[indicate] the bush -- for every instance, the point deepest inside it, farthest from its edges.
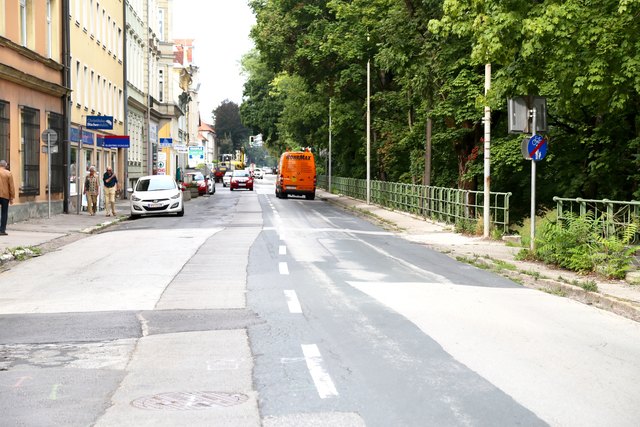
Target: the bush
(577, 244)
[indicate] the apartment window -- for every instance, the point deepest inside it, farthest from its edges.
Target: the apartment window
(2, 21)
(120, 105)
(85, 16)
(78, 83)
(108, 35)
(86, 87)
(161, 24)
(119, 43)
(98, 95)
(160, 85)
(56, 122)
(77, 11)
(110, 102)
(4, 131)
(30, 152)
(98, 21)
(49, 30)
(23, 22)
(93, 90)
(91, 18)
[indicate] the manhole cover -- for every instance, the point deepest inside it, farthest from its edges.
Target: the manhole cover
(184, 401)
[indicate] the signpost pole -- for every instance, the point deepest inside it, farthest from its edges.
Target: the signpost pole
(533, 189)
(78, 191)
(49, 172)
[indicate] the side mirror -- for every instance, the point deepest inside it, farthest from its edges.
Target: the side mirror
(129, 190)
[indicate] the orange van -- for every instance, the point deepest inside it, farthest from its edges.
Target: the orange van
(296, 175)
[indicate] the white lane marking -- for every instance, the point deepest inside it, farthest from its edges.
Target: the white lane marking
(321, 378)
(283, 268)
(282, 250)
(293, 302)
(144, 324)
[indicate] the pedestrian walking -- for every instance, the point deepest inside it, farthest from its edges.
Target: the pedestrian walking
(7, 193)
(110, 181)
(91, 190)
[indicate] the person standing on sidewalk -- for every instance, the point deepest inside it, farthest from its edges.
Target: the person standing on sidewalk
(7, 193)
(91, 190)
(110, 182)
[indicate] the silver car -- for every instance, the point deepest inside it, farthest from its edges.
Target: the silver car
(156, 194)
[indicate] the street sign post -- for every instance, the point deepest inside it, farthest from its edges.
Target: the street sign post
(49, 136)
(537, 147)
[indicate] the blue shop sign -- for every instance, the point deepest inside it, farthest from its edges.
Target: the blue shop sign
(87, 137)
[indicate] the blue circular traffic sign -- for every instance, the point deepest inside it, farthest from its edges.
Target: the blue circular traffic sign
(537, 147)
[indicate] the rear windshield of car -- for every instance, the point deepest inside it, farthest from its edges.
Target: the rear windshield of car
(240, 173)
(155, 184)
(197, 176)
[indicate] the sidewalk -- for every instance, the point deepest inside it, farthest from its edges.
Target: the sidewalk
(617, 296)
(35, 232)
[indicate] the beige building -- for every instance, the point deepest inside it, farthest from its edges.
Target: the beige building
(97, 84)
(32, 97)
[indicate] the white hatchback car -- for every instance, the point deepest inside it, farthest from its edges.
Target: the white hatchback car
(156, 194)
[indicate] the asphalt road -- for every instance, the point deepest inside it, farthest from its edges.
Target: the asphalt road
(252, 310)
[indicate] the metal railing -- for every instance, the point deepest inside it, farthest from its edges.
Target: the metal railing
(614, 216)
(448, 205)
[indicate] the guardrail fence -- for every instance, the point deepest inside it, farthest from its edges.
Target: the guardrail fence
(448, 205)
(614, 215)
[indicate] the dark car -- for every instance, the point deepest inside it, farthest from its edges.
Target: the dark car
(241, 178)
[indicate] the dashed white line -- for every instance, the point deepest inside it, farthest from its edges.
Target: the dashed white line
(283, 268)
(282, 250)
(293, 302)
(321, 378)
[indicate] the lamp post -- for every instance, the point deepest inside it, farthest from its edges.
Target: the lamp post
(329, 146)
(487, 150)
(368, 129)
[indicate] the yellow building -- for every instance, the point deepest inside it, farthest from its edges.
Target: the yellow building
(32, 100)
(98, 86)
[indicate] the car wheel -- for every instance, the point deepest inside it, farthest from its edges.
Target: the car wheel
(310, 196)
(230, 188)
(133, 216)
(181, 213)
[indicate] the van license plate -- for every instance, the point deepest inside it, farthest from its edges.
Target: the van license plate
(291, 187)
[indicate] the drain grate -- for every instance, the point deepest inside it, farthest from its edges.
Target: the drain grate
(184, 401)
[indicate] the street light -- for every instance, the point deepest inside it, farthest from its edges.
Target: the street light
(368, 129)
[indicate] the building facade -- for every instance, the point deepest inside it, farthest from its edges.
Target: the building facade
(32, 99)
(98, 87)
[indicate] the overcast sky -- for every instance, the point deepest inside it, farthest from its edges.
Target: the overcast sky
(221, 32)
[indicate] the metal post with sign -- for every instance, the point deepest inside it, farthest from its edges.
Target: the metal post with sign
(520, 111)
(51, 137)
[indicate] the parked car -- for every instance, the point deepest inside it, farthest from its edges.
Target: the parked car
(226, 179)
(199, 178)
(241, 178)
(156, 194)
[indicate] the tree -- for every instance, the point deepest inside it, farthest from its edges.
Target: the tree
(228, 125)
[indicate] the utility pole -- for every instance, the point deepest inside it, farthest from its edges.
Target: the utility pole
(487, 157)
(368, 130)
(329, 146)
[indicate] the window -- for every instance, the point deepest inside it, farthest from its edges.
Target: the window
(91, 19)
(98, 21)
(30, 152)
(93, 90)
(78, 83)
(161, 24)
(160, 85)
(2, 19)
(49, 30)
(56, 122)
(86, 87)
(23, 22)
(4, 131)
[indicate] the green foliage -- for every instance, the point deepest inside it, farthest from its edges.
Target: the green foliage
(427, 61)
(577, 244)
